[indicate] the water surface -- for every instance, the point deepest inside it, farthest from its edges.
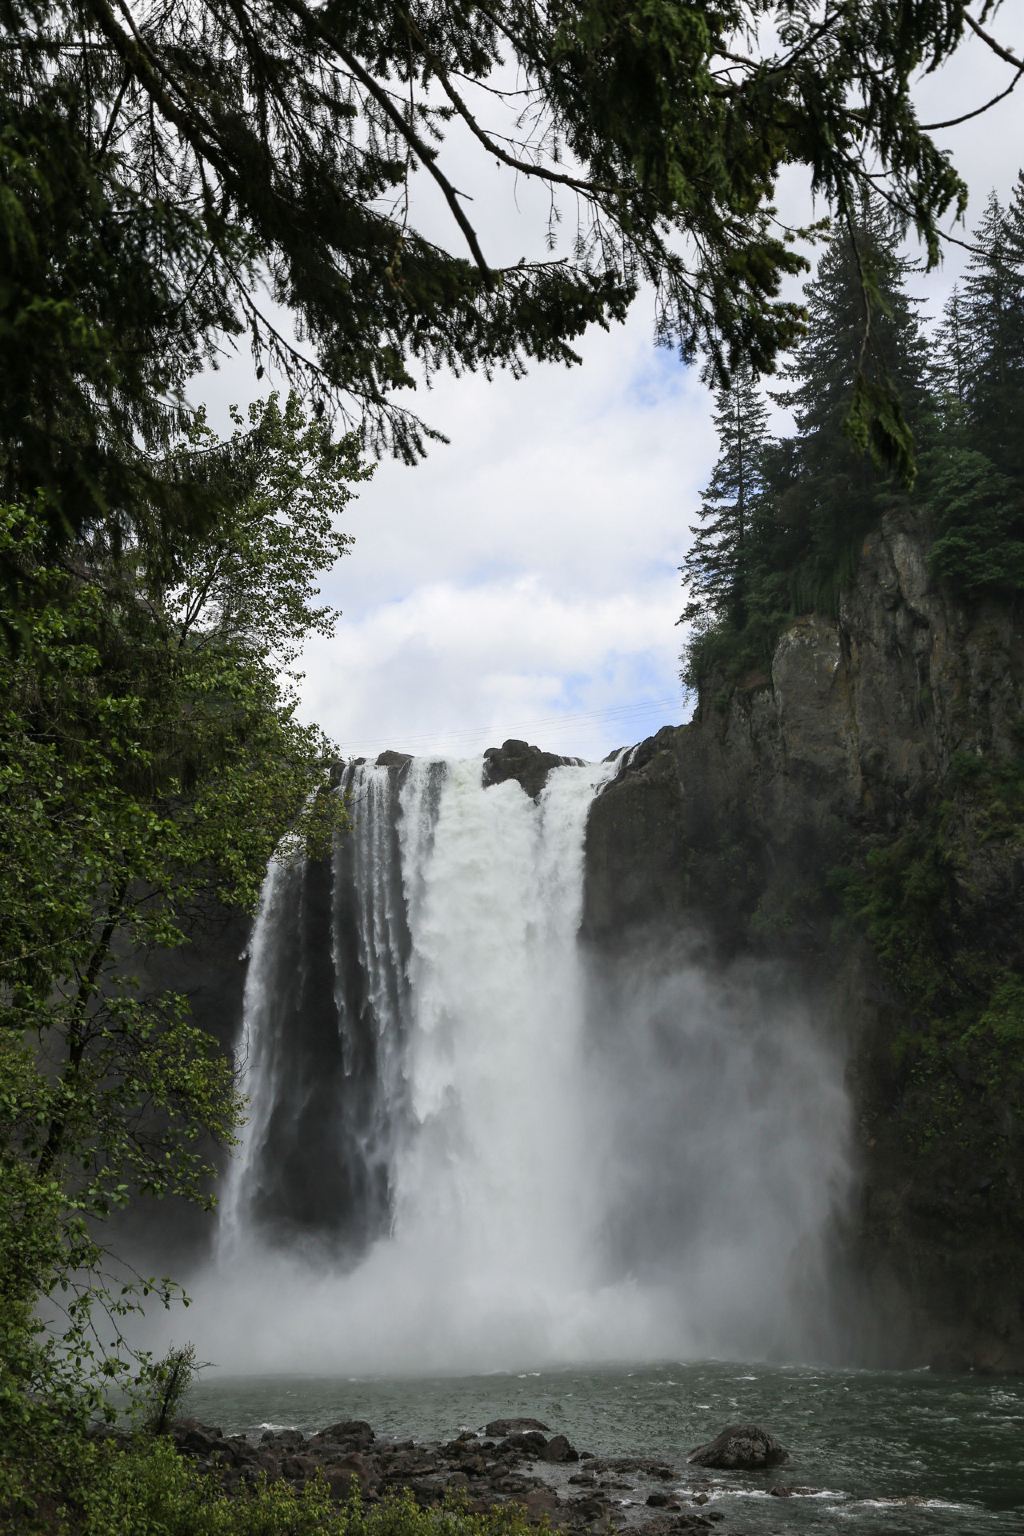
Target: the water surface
(884, 1452)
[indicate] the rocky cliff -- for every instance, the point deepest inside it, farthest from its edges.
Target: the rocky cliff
(856, 811)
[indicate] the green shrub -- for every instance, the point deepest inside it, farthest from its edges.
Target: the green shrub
(165, 1387)
(147, 1488)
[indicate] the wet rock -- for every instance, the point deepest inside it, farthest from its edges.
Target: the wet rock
(354, 1465)
(643, 1466)
(558, 1449)
(675, 1525)
(660, 1500)
(540, 1502)
(528, 765)
(591, 1511)
(339, 1480)
(353, 1433)
(500, 1428)
(461, 1447)
(233, 1452)
(298, 1468)
(196, 1439)
(514, 1487)
(520, 1469)
(530, 1443)
(742, 1447)
(284, 1438)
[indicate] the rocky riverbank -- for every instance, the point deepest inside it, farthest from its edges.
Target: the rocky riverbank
(508, 1461)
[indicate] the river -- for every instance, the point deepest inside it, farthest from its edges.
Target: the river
(894, 1452)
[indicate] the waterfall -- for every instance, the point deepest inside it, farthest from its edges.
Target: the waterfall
(468, 1148)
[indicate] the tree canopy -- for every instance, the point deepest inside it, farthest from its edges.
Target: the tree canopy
(150, 761)
(958, 389)
(177, 177)
(716, 571)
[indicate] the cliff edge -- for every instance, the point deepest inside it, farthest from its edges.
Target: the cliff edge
(858, 811)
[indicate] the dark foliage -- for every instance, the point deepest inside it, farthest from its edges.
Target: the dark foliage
(959, 395)
(177, 178)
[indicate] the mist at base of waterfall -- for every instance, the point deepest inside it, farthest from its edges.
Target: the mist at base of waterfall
(583, 1161)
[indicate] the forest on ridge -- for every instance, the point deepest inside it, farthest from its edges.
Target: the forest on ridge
(782, 520)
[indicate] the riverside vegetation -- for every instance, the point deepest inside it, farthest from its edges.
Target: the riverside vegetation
(160, 167)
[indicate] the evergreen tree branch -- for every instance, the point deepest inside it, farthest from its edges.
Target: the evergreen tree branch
(954, 122)
(996, 47)
(426, 156)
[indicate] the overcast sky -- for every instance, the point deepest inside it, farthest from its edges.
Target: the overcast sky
(523, 581)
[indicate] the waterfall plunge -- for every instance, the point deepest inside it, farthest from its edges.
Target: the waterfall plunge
(463, 1153)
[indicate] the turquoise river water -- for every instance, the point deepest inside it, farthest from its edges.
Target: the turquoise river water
(884, 1452)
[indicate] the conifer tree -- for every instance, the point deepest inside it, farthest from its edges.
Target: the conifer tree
(973, 475)
(838, 488)
(166, 167)
(718, 566)
(994, 315)
(987, 290)
(949, 362)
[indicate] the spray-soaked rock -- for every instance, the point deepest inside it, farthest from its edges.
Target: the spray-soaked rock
(529, 1468)
(353, 1434)
(530, 1443)
(743, 1447)
(559, 1449)
(499, 1428)
(542, 1501)
(528, 765)
(282, 1438)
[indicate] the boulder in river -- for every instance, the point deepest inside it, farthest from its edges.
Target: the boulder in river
(743, 1447)
(529, 1443)
(353, 1434)
(499, 1428)
(558, 1448)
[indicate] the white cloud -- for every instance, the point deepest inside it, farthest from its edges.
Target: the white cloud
(527, 572)
(450, 669)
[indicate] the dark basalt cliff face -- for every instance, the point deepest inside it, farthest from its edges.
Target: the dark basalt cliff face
(857, 813)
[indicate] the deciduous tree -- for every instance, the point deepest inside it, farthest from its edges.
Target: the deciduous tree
(150, 757)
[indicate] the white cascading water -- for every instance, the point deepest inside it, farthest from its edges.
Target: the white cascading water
(539, 1175)
(491, 1190)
